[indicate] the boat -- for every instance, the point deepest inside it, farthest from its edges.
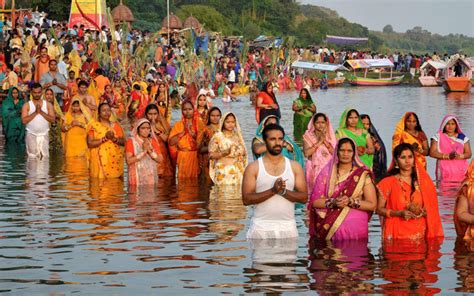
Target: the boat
(432, 73)
(458, 74)
(323, 67)
(378, 65)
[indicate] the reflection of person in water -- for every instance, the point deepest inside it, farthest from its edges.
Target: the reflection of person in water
(463, 263)
(341, 266)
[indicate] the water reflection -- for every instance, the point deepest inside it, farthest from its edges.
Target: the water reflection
(411, 266)
(464, 265)
(341, 266)
(275, 266)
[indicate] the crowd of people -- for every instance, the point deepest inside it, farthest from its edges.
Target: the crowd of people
(80, 107)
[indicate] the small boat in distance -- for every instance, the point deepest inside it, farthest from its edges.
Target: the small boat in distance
(378, 65)
(458, 74)
(322, 67)
(432, 73)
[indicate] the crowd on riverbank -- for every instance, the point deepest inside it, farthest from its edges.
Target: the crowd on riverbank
(85, 85)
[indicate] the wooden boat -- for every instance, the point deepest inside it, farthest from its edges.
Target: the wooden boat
(458, 74)
(376, 64)
(432, 73)
(338, 81)
(363, 81)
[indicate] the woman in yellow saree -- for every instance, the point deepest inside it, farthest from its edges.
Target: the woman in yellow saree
(408, 130)
(183, 142)
(228, 156)
(74, 129)
(464, 209)
(105, 140)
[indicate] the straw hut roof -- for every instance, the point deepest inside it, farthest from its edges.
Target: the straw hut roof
(121, 13)
(175, 22)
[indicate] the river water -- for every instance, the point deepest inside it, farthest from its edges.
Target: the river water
(61, 233)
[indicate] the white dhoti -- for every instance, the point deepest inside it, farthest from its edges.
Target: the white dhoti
(37, 146)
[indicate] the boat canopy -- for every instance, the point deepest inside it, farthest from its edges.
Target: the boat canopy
(438, 65)
(457, 58)
(318, 66)
(370, 63)
(341, 40)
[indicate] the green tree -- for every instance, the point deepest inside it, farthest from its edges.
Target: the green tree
(387, 29)
(207, 16)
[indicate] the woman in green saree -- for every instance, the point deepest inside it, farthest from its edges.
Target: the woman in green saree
(13, 128)
(351, 126)
(304, 109)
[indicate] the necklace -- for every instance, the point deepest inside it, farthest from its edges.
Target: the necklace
(338, 175)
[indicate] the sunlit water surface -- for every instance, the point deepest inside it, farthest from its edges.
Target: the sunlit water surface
(61, 233)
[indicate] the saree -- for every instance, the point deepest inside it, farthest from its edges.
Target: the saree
(321, 156)
(55, 130)
(399, 196)
(13, 128)
(75, 138)
(203, 141)
(302, 118)
(185, 152)
(401, 136)
(359, 140)
(464, 230)
(107, 160)
(336, 223)
(379, 167)
(165, 167)
(228, 174)
(296, 155)
(452, 170)
(267, 99)
(144, 171)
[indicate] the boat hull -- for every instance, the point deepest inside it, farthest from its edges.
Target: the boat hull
(361, 81)
(457, 84)
(428, 81)
(336, 81)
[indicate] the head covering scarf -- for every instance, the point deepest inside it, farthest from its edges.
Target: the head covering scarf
(296, 155)
(263, 113)
(143, 172)
(326, 187)
(402, 136)
(11, 118)
(322, 156)
(451, 169)
(380, 157)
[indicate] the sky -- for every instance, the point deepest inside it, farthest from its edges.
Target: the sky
(437, 16)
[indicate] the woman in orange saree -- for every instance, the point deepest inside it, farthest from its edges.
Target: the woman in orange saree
(183, 142)
(213, 118)
(464, 209)
(408, 203)
(161, 130)
(408, 130)
(74, 129)
(105, 140)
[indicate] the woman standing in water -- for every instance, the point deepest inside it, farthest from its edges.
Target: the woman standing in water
(183, 142)
(13, 128)
(451, 147)
(161, 129)
(105, 140)
(227, 153)
(212, 127)
(408, 204)
(343, 197)
(304, 109)
(142, 155)
(318, 147)
(266, 103)
(74, 129)
(464, 209)
(351, 126)
(408, 130)
(380, 155)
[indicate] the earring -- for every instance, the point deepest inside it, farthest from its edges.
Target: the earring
(396, 165)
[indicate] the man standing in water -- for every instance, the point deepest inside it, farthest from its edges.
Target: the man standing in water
(37, 114)
(273, 183)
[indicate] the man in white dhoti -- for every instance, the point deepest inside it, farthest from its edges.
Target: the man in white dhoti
(273, 183)
(37, 114)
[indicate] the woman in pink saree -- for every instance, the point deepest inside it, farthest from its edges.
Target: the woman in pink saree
(343, 197)
(452, 149)
(319, 141)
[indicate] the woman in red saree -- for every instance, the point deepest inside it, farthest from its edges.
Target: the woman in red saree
(266, 103)
(212, 126)
(464, 210)
(183, 142)
(408, 203)
(343, 197)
